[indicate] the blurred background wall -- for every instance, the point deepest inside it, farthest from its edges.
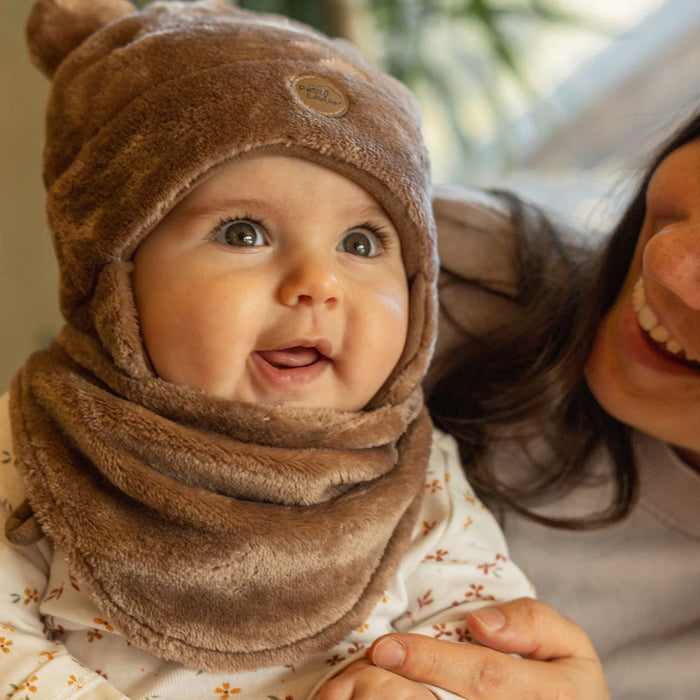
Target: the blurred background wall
(28, 279)
(560, 100)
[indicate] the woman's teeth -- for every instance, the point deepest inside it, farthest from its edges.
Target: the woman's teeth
(648, 321)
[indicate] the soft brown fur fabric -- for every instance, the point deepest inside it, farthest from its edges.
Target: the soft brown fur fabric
(193, 520)
(199, 543)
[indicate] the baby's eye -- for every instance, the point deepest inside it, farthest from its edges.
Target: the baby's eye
(240, 233)
(360, 241)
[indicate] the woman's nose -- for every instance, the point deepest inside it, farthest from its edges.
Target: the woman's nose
(311, 281)
(672, 259)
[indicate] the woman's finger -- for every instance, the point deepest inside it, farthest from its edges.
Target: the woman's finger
(530, 628)
(563, 662)
(466, 670)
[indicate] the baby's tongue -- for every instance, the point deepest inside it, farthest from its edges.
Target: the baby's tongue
(290, 357)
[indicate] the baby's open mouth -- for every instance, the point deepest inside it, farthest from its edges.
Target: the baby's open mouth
(291, 358)
(292, 367)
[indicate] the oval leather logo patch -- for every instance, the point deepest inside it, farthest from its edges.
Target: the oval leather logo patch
(321, 95)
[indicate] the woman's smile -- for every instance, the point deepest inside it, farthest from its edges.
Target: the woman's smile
(657, 333)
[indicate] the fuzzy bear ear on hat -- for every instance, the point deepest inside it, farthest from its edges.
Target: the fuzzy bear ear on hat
(56, 27)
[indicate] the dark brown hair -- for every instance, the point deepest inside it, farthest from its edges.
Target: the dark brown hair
(524, 382)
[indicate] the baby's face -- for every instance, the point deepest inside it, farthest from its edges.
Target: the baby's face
(276, 280)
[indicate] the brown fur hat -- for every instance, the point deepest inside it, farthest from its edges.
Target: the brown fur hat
(144, 104)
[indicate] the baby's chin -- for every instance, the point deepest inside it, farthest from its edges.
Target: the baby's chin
(309, 398)
(312, 403)
(328, 391)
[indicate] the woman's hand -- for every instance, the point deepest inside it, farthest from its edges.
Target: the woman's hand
(363, 681)
(559, 659)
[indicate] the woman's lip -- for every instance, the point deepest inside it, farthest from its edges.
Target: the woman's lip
(288, 377)
(645, 351)
(656, 331)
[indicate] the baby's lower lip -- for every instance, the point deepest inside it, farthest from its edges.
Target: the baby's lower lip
(287, 370)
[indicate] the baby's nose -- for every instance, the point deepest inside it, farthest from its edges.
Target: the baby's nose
(312, 281)
(672, 258)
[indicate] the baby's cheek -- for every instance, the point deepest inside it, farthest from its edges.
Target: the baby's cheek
(396, 322)
(377, 342)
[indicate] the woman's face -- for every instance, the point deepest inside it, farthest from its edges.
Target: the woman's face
(644, 367)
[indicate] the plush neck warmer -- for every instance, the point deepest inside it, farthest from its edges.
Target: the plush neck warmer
(221, 535)
(218, 534)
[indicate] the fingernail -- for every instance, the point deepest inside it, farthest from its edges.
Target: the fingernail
(388, 653)
(491, 618)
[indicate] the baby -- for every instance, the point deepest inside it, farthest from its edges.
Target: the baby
(220, 478)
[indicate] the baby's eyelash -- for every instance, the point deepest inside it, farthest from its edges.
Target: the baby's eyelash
(225, 221)
(383, 233)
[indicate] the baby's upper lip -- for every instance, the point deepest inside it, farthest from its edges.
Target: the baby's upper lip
(322, 345)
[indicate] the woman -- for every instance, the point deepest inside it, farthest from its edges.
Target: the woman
(590, 392)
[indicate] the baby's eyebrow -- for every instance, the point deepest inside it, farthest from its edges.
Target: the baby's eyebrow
(262, 207)
(366, 211)
(196, 209)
